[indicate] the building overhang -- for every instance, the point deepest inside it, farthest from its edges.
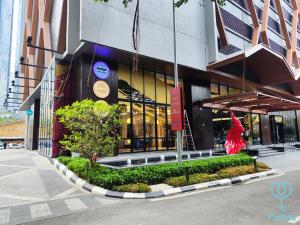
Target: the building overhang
(268, 67)
(254, 102)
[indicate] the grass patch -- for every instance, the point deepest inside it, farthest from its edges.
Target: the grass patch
(241, 170)
(194, 179)
(135, 188)
(221, 174)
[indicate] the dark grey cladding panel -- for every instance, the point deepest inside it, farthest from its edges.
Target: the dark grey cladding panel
(277, 48)
(228, 49)
(236, 24)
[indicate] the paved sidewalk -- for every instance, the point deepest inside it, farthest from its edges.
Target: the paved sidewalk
(32, 190)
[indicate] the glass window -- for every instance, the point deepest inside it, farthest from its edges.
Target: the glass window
(161, 88)
(171, 135)
(125, 130)
(137, 86)
(223, 90)
(150, 129)
(256, 129)
(124, 82)
(149, 83)
(233, 91)
(138, 126)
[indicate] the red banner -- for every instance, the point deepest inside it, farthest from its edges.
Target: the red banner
(177, 111)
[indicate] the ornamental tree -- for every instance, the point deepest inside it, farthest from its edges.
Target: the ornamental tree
(93, 128)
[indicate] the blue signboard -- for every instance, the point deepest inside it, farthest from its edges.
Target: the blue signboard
(29, 112)
(101, 70)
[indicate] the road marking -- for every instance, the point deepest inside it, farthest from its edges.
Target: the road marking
(65, 193)
(43, 200)
(4, 216)
(40, 210)
(295, 220)
(187, 194)
(264, 178)
(22, 197)
(75, 204)
(15, 174)
(25, 167)
(291, 170)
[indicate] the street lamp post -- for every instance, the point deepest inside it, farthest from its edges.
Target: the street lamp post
(178, 133)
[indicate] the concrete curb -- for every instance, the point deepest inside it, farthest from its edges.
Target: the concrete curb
(80, 183)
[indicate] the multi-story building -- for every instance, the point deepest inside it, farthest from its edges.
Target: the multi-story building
(6, 14)
(241, 57)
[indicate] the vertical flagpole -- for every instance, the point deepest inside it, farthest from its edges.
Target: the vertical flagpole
(178, 133)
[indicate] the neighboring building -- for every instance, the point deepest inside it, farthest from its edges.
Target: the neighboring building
(6, 13)
(15, 52)
(241, 57)
(11, 35)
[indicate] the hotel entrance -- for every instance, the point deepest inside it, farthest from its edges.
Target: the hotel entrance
(276, 126)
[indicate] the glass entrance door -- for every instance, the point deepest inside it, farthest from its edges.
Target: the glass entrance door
(276, 125)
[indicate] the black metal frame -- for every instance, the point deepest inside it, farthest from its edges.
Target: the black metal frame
(16, 85)
(26, 78)
(28, 41)
(13, 92)
(26, 64)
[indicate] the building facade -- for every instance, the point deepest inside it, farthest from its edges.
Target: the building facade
(6, 15)
(241, 57)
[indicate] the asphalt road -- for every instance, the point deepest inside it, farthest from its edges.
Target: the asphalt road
(243, 204)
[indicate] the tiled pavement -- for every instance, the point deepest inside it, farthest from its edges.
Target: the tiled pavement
(31, 190)
(19, 214)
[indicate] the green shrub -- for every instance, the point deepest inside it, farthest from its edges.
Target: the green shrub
(64, 159)
(136, 188)
(79, 166)
(194, 179)
(107, 178)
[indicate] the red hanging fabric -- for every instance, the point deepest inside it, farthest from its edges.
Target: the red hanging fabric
(234, 142)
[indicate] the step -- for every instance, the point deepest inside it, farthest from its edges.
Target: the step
(271, 154)
(266, 151)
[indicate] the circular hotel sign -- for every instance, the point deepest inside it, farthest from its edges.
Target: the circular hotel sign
(101, 70)
(101, 89)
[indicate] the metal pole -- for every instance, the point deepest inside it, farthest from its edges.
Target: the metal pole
(178, 133)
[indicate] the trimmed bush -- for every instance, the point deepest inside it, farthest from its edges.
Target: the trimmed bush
(64, 159)
(80, 166)
(135, 188)
(194, 179)
(155, 174)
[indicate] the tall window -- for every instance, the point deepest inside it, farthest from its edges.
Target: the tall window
(46, 112)
(145, 104)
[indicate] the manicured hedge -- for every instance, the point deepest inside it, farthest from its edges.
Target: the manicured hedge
(155, 174)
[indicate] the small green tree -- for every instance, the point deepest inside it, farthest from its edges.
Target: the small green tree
(93, 128)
